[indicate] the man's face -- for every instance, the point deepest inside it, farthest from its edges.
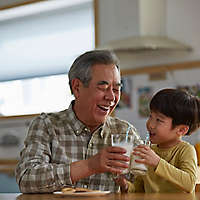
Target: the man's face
(95, 102)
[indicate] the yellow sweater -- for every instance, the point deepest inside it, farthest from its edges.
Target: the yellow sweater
(176, 171)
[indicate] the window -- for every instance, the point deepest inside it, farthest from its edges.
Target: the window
(35, 95)
(37, 49)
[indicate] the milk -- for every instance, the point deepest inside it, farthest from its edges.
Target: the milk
(129, 149)
(137, 168)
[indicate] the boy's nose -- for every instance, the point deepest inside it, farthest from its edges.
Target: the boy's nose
(151, 124)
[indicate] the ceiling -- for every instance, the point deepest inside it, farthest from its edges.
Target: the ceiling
(5, 4)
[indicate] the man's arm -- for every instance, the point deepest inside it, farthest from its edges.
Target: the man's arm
(37, 173)
(109, 159)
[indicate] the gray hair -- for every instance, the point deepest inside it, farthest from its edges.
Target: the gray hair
(81, 68)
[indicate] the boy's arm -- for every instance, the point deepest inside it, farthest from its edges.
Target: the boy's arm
(184, 175)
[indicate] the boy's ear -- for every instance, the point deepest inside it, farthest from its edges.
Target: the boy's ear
(182, 130)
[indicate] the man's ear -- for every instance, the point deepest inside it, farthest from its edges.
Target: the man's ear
(76, 83)
(182, 130)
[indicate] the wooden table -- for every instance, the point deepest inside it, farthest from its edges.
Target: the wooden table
(175, 196)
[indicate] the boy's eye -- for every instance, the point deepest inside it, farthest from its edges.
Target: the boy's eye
(159, 120)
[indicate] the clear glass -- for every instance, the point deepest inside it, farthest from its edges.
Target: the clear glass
(124, 141)
(137, 168)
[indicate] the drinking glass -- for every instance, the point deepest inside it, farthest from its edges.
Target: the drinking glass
(124, 141)
(138, 168)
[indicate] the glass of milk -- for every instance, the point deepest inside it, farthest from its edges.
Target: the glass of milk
(139, 168)
(124, 141)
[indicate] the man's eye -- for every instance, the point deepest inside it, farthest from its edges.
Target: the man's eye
(116, 89)
(102, 87)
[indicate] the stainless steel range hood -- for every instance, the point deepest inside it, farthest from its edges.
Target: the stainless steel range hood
(146, 43)
(149, 25)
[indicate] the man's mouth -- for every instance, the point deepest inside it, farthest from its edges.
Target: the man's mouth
(104, 108)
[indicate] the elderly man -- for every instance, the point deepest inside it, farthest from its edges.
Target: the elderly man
(73, 147)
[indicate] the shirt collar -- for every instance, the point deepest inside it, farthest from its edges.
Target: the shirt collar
(105, 129)
(78, 127)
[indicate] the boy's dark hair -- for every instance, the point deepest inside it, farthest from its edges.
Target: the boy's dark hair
(179, 105)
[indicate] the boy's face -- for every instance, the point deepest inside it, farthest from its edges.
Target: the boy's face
(161, 131)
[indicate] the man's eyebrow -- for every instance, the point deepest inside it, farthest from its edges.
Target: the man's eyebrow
(106, 83)
(102, 83)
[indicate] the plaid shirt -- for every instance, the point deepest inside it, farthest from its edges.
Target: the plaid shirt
(56, 140)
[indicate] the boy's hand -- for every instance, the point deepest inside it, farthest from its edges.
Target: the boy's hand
(122, 182)
(148, 156)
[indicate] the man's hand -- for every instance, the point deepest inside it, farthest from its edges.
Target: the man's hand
(148, 156)
(109, 159)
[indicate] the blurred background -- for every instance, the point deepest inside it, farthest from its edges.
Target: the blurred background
(157, 42)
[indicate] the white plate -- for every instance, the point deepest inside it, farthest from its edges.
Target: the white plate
(95, 193)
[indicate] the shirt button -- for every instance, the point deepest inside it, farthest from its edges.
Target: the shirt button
(90, 145)
(85, 186)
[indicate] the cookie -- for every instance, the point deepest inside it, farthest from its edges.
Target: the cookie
(83, 190)
(68, 190)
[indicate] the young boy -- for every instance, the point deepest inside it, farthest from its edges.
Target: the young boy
(172, 162)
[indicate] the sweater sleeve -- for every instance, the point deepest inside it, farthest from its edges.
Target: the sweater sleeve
(137, 186)
(184, 174)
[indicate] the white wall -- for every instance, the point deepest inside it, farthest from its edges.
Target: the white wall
(117, 19)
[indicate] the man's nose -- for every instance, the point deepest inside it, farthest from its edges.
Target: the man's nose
(110, 95)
